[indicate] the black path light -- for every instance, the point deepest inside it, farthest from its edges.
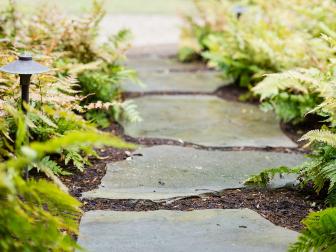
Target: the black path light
(239, 11)
(25, 67)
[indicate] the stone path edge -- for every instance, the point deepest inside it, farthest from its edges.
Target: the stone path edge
(149, 142)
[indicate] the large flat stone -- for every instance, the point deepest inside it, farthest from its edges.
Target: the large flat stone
(159, 51)
(206, 120)
(177, 82)
(164, 172)
(167, 231)
(158, 64)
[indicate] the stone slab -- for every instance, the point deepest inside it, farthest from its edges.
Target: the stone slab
(206, 120)
(165, 172)
(174, 231)
(177, 82)
(159, 64)
(160, 51)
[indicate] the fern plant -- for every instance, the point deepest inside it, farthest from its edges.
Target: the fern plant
(263, 40)
(320, 169)
(40, 215)
(319, 233)
(70, 45)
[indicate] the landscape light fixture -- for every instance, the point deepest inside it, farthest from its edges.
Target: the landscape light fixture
(25, 67)
(239, 11)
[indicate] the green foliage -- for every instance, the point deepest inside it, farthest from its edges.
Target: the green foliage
(47, 163)
(291, 108)
(104, 85)
(264, 177)
(71, 44)
(295, 93)
(319, 233)
(320, 169)
(121, 111)
(37, 215)
(263, 40)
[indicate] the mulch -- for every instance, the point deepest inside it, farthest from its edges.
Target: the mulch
(283, 207)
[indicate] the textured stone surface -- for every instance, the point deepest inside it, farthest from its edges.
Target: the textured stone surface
(163, 172)
(206, 120)
(178, 82)
(158, 51)
(167, 231)
(158, 64)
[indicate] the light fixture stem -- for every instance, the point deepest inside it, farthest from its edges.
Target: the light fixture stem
(24, 83)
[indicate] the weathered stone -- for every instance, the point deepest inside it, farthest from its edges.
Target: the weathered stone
(158, 51)
(198, 231)
(158, 64)
(177, 82)
(206, 120)
(164, 172)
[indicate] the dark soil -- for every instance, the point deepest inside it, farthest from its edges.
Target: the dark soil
(235, 93)
(295, 132)
(90, 179)
(283, 207)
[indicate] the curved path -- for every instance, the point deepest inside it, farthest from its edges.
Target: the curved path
(171, 110)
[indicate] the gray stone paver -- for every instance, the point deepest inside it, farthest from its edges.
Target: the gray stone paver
(177, 82)
(158, 64)
(164, 172)
(206, 120)
(174, 231)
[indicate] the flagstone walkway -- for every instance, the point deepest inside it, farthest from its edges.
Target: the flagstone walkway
(171, 110)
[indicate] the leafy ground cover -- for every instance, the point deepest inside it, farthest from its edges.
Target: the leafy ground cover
(285, 56)
(113, 6)
(59, 127)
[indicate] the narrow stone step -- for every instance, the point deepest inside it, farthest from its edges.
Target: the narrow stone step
(158, 51)
(174, 231)
(158, 64)
(164, 172)
(206, 82)
(206, 120)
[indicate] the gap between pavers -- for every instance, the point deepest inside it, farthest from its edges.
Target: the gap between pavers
(166, 172)
(208, 121)
(166, 231)
(202, 81)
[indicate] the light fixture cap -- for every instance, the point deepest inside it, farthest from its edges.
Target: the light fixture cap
(25, 65)
(239, 9)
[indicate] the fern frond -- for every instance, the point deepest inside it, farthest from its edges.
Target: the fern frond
(264, 177)
(319, 233)
(322, 136)
(300, 81)
(52, 165)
